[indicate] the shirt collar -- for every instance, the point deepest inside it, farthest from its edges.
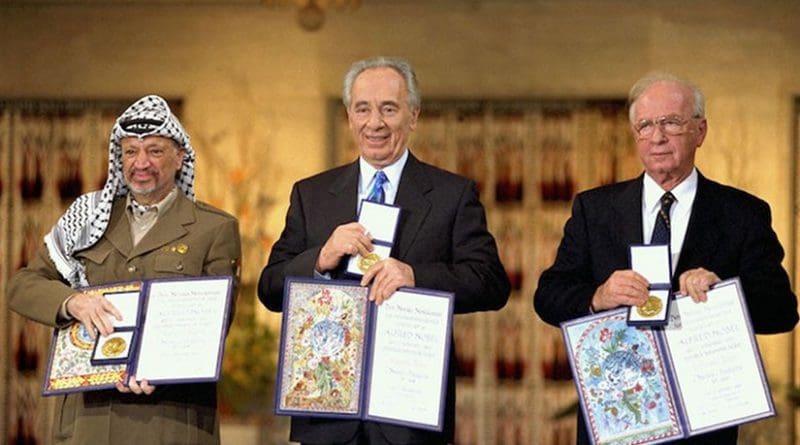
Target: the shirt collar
(138, 210)
(684, 192)
(392, 172)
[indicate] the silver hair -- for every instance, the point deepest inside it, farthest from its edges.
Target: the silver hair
(661, 76)
(400, 65)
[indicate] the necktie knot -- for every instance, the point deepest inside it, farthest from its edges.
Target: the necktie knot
(666, 201)
(376, 193)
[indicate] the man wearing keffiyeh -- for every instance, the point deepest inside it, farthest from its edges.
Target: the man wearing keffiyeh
(144, 223)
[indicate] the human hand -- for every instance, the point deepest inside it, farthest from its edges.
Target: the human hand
(94, 311)
(696, 282)
(140, 387)
(623, 287)
(386, 277)
(347, 239)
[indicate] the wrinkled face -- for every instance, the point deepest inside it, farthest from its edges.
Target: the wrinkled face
(380, 118)
(669, 134)
(149, 166)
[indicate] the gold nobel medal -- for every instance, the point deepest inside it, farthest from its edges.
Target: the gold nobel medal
(365, 262)
(651, 307)
(114, 347)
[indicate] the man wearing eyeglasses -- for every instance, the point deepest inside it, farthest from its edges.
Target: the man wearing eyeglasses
(714, 231)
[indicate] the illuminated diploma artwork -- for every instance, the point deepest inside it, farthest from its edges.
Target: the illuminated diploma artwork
(172, 331)
(343, 356)
(699, 373)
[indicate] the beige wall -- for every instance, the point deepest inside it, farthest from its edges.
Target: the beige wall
(256, 86)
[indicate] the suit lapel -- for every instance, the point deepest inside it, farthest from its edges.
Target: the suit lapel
(700, 239)
(169, 227)
(342, 201)
(119, 231)
(413, 187)
(627, 208)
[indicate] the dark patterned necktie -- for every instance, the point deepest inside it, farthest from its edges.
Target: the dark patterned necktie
(377, 194)
(661, 230)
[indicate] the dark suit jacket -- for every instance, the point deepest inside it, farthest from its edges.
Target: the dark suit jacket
(441, 234)
(729, 233)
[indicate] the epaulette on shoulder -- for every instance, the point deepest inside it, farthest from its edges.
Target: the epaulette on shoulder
(204, 206)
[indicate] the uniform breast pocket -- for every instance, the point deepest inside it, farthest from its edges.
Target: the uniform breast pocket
(171, 265)
(97, 262)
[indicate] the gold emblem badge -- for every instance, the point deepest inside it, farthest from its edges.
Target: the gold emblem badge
(182, 248)
(651, 307)
(80, 337)
(365, 262)
(113, 347)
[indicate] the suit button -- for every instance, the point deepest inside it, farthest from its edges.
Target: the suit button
(131, 268)
(179, 266)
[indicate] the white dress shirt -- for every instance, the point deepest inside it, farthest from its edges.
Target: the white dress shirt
(679, 213)
(392, 173)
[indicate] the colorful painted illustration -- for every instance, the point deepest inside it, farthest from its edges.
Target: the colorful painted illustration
(623, 382)
(70, 368)
(323, 349)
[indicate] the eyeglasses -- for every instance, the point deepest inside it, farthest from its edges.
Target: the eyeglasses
(671, 125)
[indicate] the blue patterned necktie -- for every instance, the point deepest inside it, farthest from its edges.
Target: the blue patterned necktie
(661, 229)
(377, 194)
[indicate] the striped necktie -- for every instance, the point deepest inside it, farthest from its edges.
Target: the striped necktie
(376, 193)
(661, 229)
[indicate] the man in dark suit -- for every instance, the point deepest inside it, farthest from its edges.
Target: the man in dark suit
(716, 231)
(441, 241)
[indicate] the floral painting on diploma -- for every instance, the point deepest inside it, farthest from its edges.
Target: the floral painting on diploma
(70, 368)
(323, 348)
(624, 383)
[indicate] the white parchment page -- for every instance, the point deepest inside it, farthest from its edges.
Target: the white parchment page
(408, 369)
(716, 362)
(652, 262)
(379, 220)
(183, 329)
(127, 303)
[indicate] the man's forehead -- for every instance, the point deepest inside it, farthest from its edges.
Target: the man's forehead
(380, 78)
(663, 101)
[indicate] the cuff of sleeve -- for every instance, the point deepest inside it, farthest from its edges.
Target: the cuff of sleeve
(323, 276)
(63, 315)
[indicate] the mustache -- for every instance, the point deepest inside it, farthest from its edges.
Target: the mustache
(133, 170)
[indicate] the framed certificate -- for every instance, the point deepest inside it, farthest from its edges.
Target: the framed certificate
(654, 262)
(343, 357)
(380, 220)
(172, 331)
(702, 372)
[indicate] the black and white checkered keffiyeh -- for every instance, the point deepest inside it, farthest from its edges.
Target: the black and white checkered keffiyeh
(85, 221)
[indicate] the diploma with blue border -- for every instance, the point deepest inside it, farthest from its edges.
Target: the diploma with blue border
(380, 220)
(700, 373)
(172, 331)
(342, 356)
